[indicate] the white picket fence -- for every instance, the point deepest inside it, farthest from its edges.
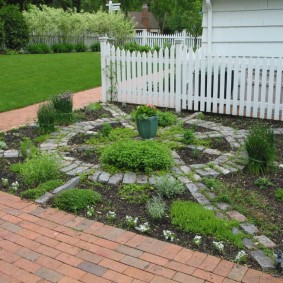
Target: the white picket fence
(154, 39)
(181, 79)
(143, 38)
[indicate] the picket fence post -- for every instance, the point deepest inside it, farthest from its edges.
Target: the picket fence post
(103, 42)
(178, 76)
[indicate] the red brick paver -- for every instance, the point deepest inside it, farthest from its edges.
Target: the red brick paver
(36, 245)
(19, 117)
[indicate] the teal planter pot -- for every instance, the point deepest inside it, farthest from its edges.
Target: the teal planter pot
(147, 128)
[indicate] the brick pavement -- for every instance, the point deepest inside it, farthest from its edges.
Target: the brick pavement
(19, 117)
(46, 245)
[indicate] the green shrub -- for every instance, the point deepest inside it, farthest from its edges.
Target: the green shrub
(168, 186)
(144, 48)
(2, 33)
(38, 48)
(106, 130)
(260, 148)
(145, 156)
(46, 118)
(95, 47)
(155, 208)
(193, 217)
(279, 194)
(80, 47)
(62, 48)
(15, 28)
(131, 46)
(166, 118)
(27, 148)
(121, 134)
(63, 105)
(134, 193)
(92, 107)
(76, 200)
(41, 189)
(262, 183)
(39, 169)
(189, 137)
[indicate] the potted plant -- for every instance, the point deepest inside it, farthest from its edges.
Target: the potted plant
(147, 121)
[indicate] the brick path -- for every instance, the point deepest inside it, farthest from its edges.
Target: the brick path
(46, 245)
(19, 117)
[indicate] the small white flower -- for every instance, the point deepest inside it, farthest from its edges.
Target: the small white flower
(197, 240)
(241, 257)
(90, 211)
(15, 185)
(169, 235)
(131, 221)
(111, 215)
(5, 182)
(143, 228)
(219, 246)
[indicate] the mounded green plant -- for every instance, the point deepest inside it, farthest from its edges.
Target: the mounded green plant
(63, 105)
(279, 194)
(106, 130)
(80, 47)
(166, 118)
(189, 137)
(260, 148)
(121, 134)
(46, 118)
(39, 48)
(40, 190)
(92, 107)
(155, 208)
(134, 193)
(168, 186)
(62, 48)
(75, 200)
(145, 156)
(193, 217)
(27, 147)
(3, 145)
(95, 47)
(39, 168)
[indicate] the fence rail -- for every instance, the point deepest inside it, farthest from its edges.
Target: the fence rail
(181, 79)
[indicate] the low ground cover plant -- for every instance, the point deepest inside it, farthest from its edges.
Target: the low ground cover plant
(166, 118)
(75, 200)
(279, 194)
(168, 186)
(144, 156)
(134, 193)
(193, 217)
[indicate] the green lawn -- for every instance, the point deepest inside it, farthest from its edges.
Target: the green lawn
(29, 79)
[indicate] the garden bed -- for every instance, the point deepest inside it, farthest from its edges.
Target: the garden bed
(239, 190)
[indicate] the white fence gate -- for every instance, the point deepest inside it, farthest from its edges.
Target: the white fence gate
(181, 79)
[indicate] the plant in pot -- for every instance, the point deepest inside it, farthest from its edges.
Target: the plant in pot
(147, 120)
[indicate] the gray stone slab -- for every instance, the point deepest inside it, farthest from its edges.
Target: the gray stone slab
(104, 177)
(1, 153)
(116, 179)
(234, 214)
(249, 228)
(11, 153)
(192, 187)
(262, 239)
(175, 155)
(44, 199)
(211, 195)
(68, 185)
(179, 161)
(142, 179)
(223, 205)
(152, 180)
(249, 244)
(265, 262)
(203, 173)
(200, 198)
(177, 170)
(184, 179)
(222, 170)
(185, 169)
(212, 151)
(95, 176)
(69, 167)
(129, 178)
(78, 170)
(235, 231)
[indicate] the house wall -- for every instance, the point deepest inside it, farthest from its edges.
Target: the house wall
(245, 28)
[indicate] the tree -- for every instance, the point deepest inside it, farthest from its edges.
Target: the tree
(15, 27)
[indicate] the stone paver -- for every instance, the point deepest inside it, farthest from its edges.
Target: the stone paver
(98, 253)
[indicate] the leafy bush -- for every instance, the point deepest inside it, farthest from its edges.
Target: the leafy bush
(189, 137)
(131, 46)
(27, 148)
(2, 33)
(260, 148)
(38, 48)
(63, 105)
(134, 193)
(46, 118)
(92, 107)
(15, 28)
(80, 47)
(146, 156)
(279, 194)
(39, 169)
(95, 47)
(193, 217)
(76, 200)
(155, 208)
(121, 134)
(106, 130)
(62, 48)
(41, 189)
(166, 118)
(168, 186)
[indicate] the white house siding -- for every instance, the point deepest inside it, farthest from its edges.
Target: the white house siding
(245, 28)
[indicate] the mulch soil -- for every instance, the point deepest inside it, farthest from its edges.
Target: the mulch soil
(271, 212)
